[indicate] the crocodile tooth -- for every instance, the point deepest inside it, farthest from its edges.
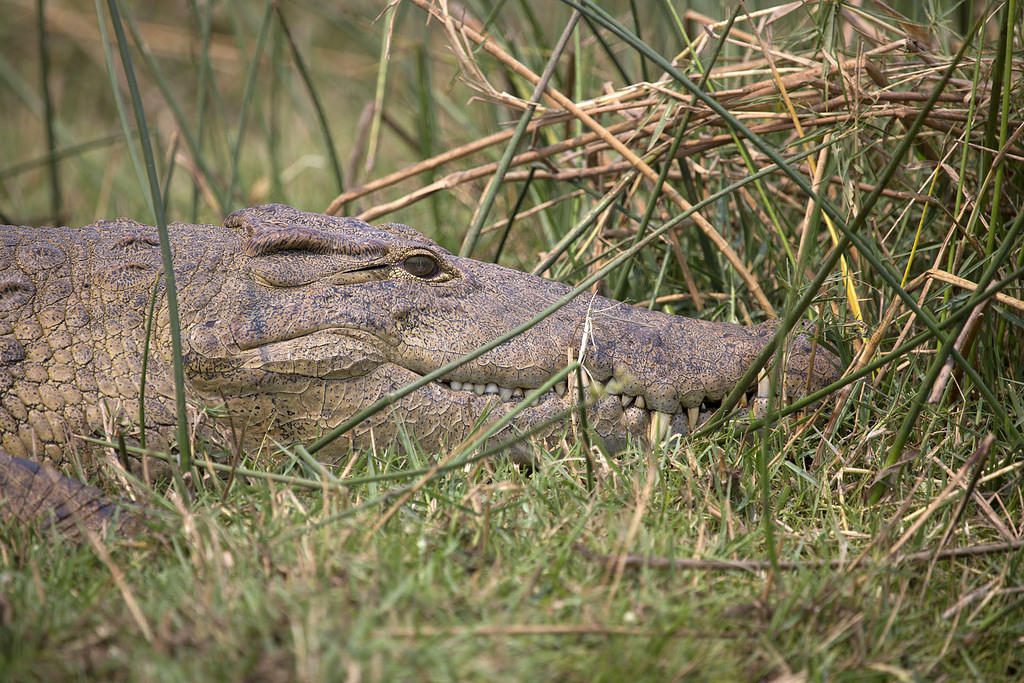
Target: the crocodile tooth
(659, 426)
(614, 386)
(518, 392)
(479, 389)
(561, 388)
(626, 400)
(491, 388)
(597, 389)
(505, 393)
(640, 403)
(760, 406)
(693, 414)
(743, 401)
(456, 386)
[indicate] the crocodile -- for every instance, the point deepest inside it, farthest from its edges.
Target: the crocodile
(292, 322)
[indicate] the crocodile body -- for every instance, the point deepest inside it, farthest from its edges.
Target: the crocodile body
(293, 321)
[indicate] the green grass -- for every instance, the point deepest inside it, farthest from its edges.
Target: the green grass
(841, 534)
(492, 573)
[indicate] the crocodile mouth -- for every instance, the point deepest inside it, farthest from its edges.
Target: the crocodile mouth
(318, 358)
(660, 424)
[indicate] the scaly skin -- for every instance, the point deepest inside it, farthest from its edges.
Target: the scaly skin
(292, 322)
(34, 491)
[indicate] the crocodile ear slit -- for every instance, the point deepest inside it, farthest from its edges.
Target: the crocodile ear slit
(252, 219)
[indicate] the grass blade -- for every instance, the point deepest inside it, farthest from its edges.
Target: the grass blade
(183, 442)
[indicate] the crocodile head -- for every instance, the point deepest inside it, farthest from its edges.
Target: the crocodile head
(319, 317)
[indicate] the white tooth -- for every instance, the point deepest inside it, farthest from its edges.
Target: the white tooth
(535, 402)
(659, 426)
(743, 401)
(640, 403)
(518, 392)
(456, 386)
(666, 423)
(614, 386)
(693, 414)
(561, 388)
(479, 389)
(626, 400)
(491, 388)
(597, 390)
(505, 393)
(760, 407)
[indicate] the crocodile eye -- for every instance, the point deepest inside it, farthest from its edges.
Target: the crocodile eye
(421, 265)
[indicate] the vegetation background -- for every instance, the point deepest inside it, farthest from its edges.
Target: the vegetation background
(880, 538)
